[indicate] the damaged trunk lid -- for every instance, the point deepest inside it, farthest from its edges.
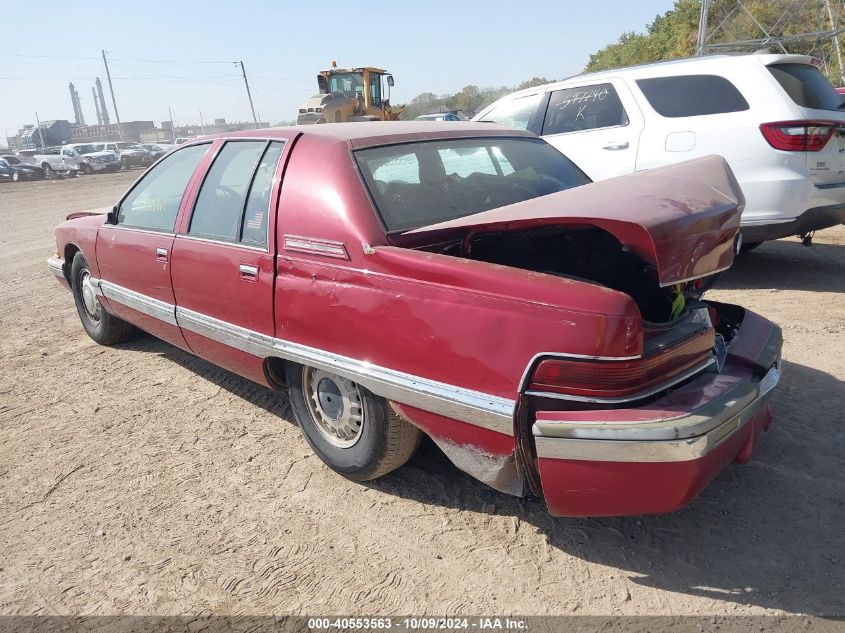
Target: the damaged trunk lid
(682, 219)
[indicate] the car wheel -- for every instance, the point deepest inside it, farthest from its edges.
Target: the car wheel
(16, 176)
(48, 171)
(104, 328)
(86, 169)
(747, 247)
(355, 432)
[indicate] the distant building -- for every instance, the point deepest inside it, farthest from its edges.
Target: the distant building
(132, 131)
(55, 132)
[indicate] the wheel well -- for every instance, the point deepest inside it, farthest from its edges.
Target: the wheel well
(275, 372)
(70, 252)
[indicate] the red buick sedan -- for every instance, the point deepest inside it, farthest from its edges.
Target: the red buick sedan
(462, 281)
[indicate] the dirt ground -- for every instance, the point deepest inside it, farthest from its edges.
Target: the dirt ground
(141, 480)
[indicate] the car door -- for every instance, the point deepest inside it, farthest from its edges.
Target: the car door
(5, 170)
(223, 261)
(596, 125)
(133, 254)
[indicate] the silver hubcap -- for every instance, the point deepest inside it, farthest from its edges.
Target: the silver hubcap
(335, 406)
(89, 297)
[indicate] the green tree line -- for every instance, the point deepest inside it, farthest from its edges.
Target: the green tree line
(671, 35)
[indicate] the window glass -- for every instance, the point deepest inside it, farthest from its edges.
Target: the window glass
(806, 86)
(375, 89)
(220, 203)
(398, 168)
(584, 108)
(154, 202)
(692, 95)
(439, 191)
(3, 163)
(462, 164)
(514, 113)
(258, 202)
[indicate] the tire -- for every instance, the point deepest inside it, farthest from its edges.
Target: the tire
(747, 247)
(104, 328)
(377, 442)
(48, 171)
(86, 170)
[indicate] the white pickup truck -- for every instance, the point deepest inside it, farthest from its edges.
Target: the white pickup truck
(55, 161)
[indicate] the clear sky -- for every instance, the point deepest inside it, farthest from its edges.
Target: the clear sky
(436, 46)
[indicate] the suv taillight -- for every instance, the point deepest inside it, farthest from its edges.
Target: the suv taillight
(620, 379)
(799, 136)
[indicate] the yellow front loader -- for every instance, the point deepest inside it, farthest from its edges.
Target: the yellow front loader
(350, 94)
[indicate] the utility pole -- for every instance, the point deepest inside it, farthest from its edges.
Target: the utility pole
(248, 94)
(113, 102)
(40, 133)
(702, 28)
(202, 124)
(172, 129)
(833, 27)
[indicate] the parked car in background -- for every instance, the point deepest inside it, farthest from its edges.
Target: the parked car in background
(157, 149)
(55, 161)
(775, 118)
(15, 170)
(440, 116)
(129, 154)
(92, 160)
(458, 280)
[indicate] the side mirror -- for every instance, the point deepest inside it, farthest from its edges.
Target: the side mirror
(111, 216)
(390, 80)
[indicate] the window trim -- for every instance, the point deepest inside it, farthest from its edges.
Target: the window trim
(217, 238)
(181, 201)
(548, 102)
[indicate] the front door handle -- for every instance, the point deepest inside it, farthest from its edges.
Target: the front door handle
(617, 146)
(161, 254)
(249, 272)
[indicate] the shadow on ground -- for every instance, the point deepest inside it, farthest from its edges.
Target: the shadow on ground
(767, 533)
(786, 264)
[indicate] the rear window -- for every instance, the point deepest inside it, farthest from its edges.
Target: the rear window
(692, 95)
(806, 86)
(417, 184)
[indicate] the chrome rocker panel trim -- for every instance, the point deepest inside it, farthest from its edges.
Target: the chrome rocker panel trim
(137, 301)
(696, 433)
(473, 407)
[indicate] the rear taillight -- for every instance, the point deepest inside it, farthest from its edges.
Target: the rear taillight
(799, 136)
(620, 379)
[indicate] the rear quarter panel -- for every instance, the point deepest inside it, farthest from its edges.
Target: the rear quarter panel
(461, 322)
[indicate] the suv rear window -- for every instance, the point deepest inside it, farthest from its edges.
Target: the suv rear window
(417, 184)
(806, 86)
(692, 95)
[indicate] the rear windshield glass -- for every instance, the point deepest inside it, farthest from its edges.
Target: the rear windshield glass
(692, 95)
(806, 86)
(418, 184)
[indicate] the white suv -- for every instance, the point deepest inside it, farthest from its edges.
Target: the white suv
(775, 118)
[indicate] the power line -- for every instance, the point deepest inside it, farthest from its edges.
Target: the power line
(45, 56)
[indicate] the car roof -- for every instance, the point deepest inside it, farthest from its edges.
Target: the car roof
(373, 133)
(671, 67)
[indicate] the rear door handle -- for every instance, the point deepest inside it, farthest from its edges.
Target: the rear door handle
(617, 146)
(161, 254)
(249, 272)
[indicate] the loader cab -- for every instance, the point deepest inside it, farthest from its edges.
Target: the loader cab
(370, 85)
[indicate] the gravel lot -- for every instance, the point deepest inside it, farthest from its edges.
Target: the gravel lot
(141, 480)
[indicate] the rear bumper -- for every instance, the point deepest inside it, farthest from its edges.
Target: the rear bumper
(811, 220)
(656, 458)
